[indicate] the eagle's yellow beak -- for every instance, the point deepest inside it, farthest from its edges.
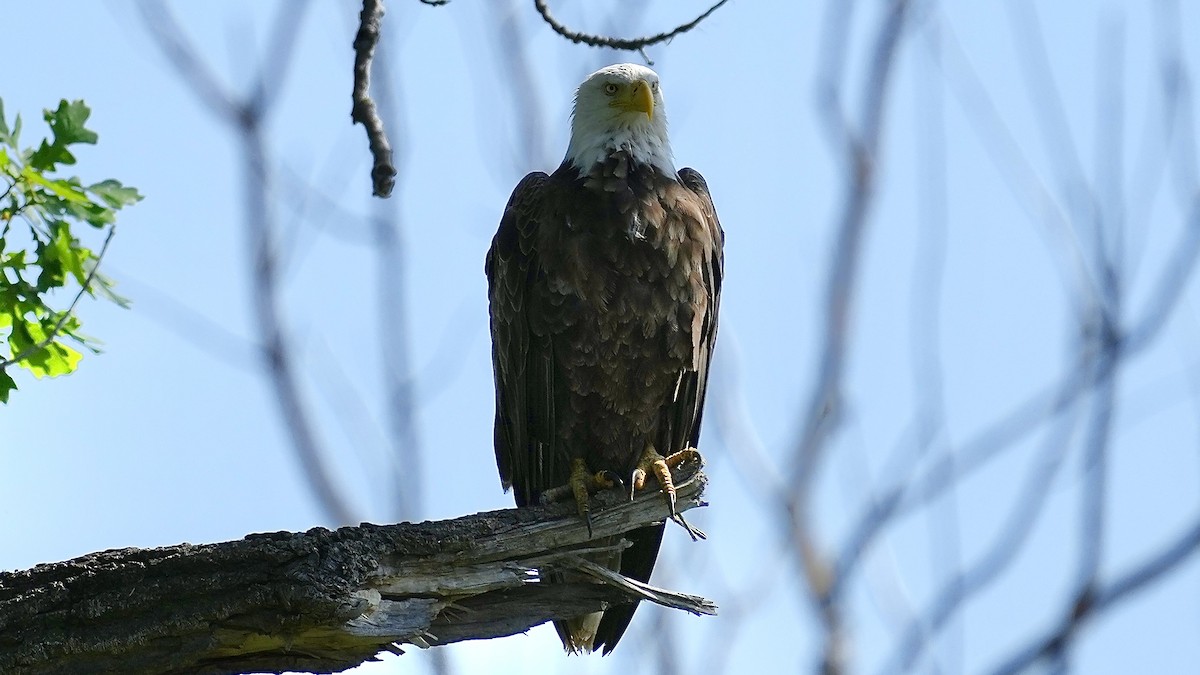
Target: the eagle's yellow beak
(639, 99)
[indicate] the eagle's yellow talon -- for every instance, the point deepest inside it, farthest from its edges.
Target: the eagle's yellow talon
(687, 454)
(580, 486)
(636, 482)
(654, 464)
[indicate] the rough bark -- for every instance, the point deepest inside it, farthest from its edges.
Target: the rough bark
(321, 600)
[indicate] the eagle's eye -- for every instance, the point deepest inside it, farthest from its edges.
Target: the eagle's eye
(654, 87)
(611, 88)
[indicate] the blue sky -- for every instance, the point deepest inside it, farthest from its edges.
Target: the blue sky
(173, 435)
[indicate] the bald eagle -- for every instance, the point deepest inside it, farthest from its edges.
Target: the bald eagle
(604, 279)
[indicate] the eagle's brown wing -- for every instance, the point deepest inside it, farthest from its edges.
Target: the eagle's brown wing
(681, 416)
(527, 387)
(690, 406)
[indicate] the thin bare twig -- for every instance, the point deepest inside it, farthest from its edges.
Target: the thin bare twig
(928, 370)
(1006, 154)
(391, 277)
(1091, 596)
(1108, 348)
(1102, 329)
(666, 643)
(1166, 142)
(1022, 419)
(627, 44)
(246, 117)
(383, 172)
(173, 43)
(1049, 645)
(354, 415)
(278, 353)
(862, 149)
(729, 415)
(270, 77)
(309, 202)
(189, 324)
(526, 144)
(1044, 95)
(1017, 529)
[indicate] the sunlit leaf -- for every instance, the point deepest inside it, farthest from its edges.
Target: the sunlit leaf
(51, 360)
(68, 190)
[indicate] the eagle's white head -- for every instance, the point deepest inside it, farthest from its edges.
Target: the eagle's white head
(620, 107)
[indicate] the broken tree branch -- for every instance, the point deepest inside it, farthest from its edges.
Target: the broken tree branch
(383, 172)
(323, 601)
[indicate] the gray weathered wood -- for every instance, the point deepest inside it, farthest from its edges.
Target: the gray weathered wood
(321, 600)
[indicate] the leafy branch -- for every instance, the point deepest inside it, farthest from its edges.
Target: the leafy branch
(45, 256)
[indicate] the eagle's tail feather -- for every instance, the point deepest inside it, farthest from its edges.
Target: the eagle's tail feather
(579, 633)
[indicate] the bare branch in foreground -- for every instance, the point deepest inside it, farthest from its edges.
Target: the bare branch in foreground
(628, 44)
(861, 147)
(322, 600)
(1101, 598)
(246, 116)
(383, 173)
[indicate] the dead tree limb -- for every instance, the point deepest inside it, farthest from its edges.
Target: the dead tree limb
(383, 172)
(628, 44)
(321, 600)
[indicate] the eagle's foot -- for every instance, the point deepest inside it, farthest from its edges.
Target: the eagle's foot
(580, 486)
(654, 464)
(688, 454)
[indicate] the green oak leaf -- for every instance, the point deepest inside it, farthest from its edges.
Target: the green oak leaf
(66, 123)
(6, 385)
(48, 156)
(69, 253)
(52, 275)
(114, 193)
(14, 260)
(52, 360)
